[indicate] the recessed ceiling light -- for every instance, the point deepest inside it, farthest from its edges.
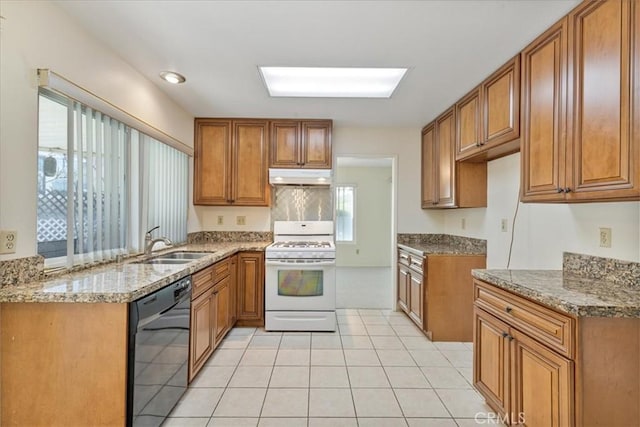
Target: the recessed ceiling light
(328, 82)
(172, 77)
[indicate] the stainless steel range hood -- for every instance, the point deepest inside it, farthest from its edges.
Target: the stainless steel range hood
(300, 177)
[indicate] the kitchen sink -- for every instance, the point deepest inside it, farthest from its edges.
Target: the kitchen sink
(184, 255)
(165, 261)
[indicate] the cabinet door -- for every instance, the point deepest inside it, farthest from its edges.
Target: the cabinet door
(428, 166)
(316, 144)
(604, 157)
(416, 298)
(468, 132)
(223, 299)
(202, 333)
(251, 288)
(285, 144)
(501, 105)
(491, 360)
(403, 289)
(544, 70)
(212, 162)
(542, 384)
(445, 131)
(233, 290)
(250, 184)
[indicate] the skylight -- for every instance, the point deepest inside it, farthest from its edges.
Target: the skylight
(327, 82)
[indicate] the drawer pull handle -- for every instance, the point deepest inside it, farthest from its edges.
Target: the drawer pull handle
(508, 309)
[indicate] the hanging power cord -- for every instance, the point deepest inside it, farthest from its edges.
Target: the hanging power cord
(513, 229)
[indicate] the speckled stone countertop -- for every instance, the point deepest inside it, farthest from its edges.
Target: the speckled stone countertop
(568, 292)
(441, 244)
(121, 282)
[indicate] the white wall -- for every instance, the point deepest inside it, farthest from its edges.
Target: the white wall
(40, 35)
(372, 247)
(405, 144)
(544, 231)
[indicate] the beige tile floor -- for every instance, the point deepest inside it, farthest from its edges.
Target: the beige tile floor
(376, 370)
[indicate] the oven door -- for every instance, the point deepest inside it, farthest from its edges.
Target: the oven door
(300, 285)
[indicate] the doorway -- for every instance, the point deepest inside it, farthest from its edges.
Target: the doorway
(365, 215)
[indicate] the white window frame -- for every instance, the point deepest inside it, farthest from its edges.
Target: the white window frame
(354, 188)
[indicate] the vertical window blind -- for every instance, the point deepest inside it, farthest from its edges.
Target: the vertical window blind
(101, 183)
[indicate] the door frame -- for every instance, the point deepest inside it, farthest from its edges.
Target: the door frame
(394, 214)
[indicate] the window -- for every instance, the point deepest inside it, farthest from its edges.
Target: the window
(345, 213)
(95, 191)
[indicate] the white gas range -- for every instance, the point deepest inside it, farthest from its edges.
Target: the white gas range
(300, 283)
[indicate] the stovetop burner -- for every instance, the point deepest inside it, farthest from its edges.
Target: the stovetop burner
(303, 244)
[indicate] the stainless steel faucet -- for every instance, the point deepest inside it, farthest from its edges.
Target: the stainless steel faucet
(149, 241)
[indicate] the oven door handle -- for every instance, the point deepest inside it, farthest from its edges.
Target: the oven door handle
(301, 264)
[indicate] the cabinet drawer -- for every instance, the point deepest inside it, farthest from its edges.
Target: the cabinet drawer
(404, 257)
(551, 328)
(414, 262)
(221, 269)
(201, 281)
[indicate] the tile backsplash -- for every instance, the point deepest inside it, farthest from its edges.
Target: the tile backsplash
(302, 204)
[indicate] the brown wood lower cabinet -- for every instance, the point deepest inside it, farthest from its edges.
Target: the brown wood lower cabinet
(227, 293)
(211, 314)
(203, 328)
(250, 289)
(583, 371)
(436, 292)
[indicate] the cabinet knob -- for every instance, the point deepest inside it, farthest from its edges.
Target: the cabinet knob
(504, 335)
(510, 338)
(560, 190)
(508, 309)
(478, 144)
(567, 190)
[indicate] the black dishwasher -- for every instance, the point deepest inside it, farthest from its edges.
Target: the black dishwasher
(158, 353)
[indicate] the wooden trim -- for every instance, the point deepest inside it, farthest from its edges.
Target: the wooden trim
(64, 364)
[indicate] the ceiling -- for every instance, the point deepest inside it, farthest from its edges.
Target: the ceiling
(449, 47)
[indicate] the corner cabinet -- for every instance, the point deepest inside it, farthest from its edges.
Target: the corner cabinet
(488, 117)
(445, 182)
(301, 144)
(231, 163)
(581, 140)
(250, 289)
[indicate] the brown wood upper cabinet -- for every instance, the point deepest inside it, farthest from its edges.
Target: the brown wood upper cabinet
(231, 162)
(445, 182)
(581, 140)
(488, 117)
(301, 144)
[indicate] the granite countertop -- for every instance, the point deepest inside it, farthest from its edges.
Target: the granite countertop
(569, 292)
(441, 244)
(121, 282)
(422, 249)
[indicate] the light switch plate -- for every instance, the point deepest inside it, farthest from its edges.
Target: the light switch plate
(8, 241)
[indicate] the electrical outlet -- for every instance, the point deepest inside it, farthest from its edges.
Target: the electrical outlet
(220, 219)
(605, 237)
(463, 223)
(8, 241)
(504, 225)
(241, 220)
